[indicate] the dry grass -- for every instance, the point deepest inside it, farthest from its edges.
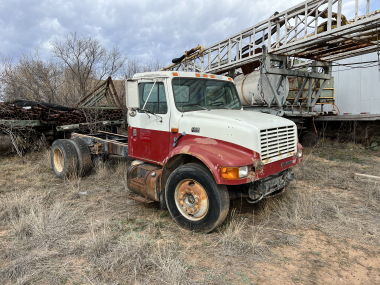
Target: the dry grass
(5, 144)
(86, 231)
(45, 227)
(102, 170)
(329, 199)
(234, 241)
(136, 260)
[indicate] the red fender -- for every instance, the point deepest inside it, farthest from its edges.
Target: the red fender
(215, 154)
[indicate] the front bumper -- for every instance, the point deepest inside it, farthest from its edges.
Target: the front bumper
(271, 184)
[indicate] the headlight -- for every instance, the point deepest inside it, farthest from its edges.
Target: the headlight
(243, 171)
(300, 153)
(234, 172)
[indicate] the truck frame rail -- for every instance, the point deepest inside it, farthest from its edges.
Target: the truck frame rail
(106, 143)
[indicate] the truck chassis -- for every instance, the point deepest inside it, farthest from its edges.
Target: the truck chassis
(144, 179)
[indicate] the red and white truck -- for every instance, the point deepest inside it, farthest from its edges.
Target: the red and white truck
(194, 147)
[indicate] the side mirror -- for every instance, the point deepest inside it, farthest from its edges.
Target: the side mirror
(132, 94)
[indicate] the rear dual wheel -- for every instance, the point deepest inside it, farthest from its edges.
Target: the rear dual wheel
(64, 158)
(70, 158)
(309, 139)
(194, 200)
(84, 156)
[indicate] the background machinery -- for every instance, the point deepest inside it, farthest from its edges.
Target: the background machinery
(283, 65)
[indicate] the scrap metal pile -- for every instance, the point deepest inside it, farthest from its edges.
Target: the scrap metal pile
(101, 105)
(55, 114)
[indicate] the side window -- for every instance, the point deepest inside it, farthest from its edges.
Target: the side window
(157, 100)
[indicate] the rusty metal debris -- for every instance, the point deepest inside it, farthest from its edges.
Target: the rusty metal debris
(105, 91)
(46, 114)
(102, 104)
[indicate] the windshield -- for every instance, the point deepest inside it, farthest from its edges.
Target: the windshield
(192, 94)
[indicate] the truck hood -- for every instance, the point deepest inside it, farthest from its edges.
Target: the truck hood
(235, 126)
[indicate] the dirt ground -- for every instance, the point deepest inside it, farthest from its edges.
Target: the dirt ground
(323, 230)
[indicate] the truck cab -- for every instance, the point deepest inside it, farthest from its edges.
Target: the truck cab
(193, 147)
(206, 148)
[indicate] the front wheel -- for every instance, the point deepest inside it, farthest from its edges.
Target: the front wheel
(194, 200)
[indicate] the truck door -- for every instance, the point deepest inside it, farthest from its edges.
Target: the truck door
(148, 131)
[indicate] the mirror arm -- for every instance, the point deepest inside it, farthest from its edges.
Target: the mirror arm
(146, 112)
(147, 99)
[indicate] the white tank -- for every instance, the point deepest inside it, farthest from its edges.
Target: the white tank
(248, 87)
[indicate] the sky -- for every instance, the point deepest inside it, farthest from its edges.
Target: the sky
(141, 29)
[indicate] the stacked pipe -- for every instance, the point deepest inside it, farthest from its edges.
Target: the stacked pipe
(49, 115)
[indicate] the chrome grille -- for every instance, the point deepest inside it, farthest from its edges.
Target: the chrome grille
(278, 143)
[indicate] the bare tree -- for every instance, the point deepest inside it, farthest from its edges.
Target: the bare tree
(30, 78)
(133, 67)
(82, 64)
(136, 66)
(87, 61)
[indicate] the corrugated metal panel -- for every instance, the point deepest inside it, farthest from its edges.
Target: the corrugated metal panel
(357, 90)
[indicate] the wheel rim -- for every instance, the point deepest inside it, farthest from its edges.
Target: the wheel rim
(58, 159)
(191, 199)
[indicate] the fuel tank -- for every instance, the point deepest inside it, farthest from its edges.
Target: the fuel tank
(145, 180)
(249, 89)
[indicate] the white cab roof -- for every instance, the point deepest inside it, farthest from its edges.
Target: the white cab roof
(174, 74)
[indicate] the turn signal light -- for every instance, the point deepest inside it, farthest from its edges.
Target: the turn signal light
(229, 172)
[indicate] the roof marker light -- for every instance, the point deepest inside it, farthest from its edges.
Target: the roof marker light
(230, 79)
(205, 75)
(175, 73)
(197, 75)
(212, 76)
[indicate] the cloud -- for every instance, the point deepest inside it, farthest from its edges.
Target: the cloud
(144, 29)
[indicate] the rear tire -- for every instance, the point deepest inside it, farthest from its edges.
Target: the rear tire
(64, 159)
(194, 200)
(84, 156)
(309, 139)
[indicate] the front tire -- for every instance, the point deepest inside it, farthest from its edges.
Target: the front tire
(194, 200)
